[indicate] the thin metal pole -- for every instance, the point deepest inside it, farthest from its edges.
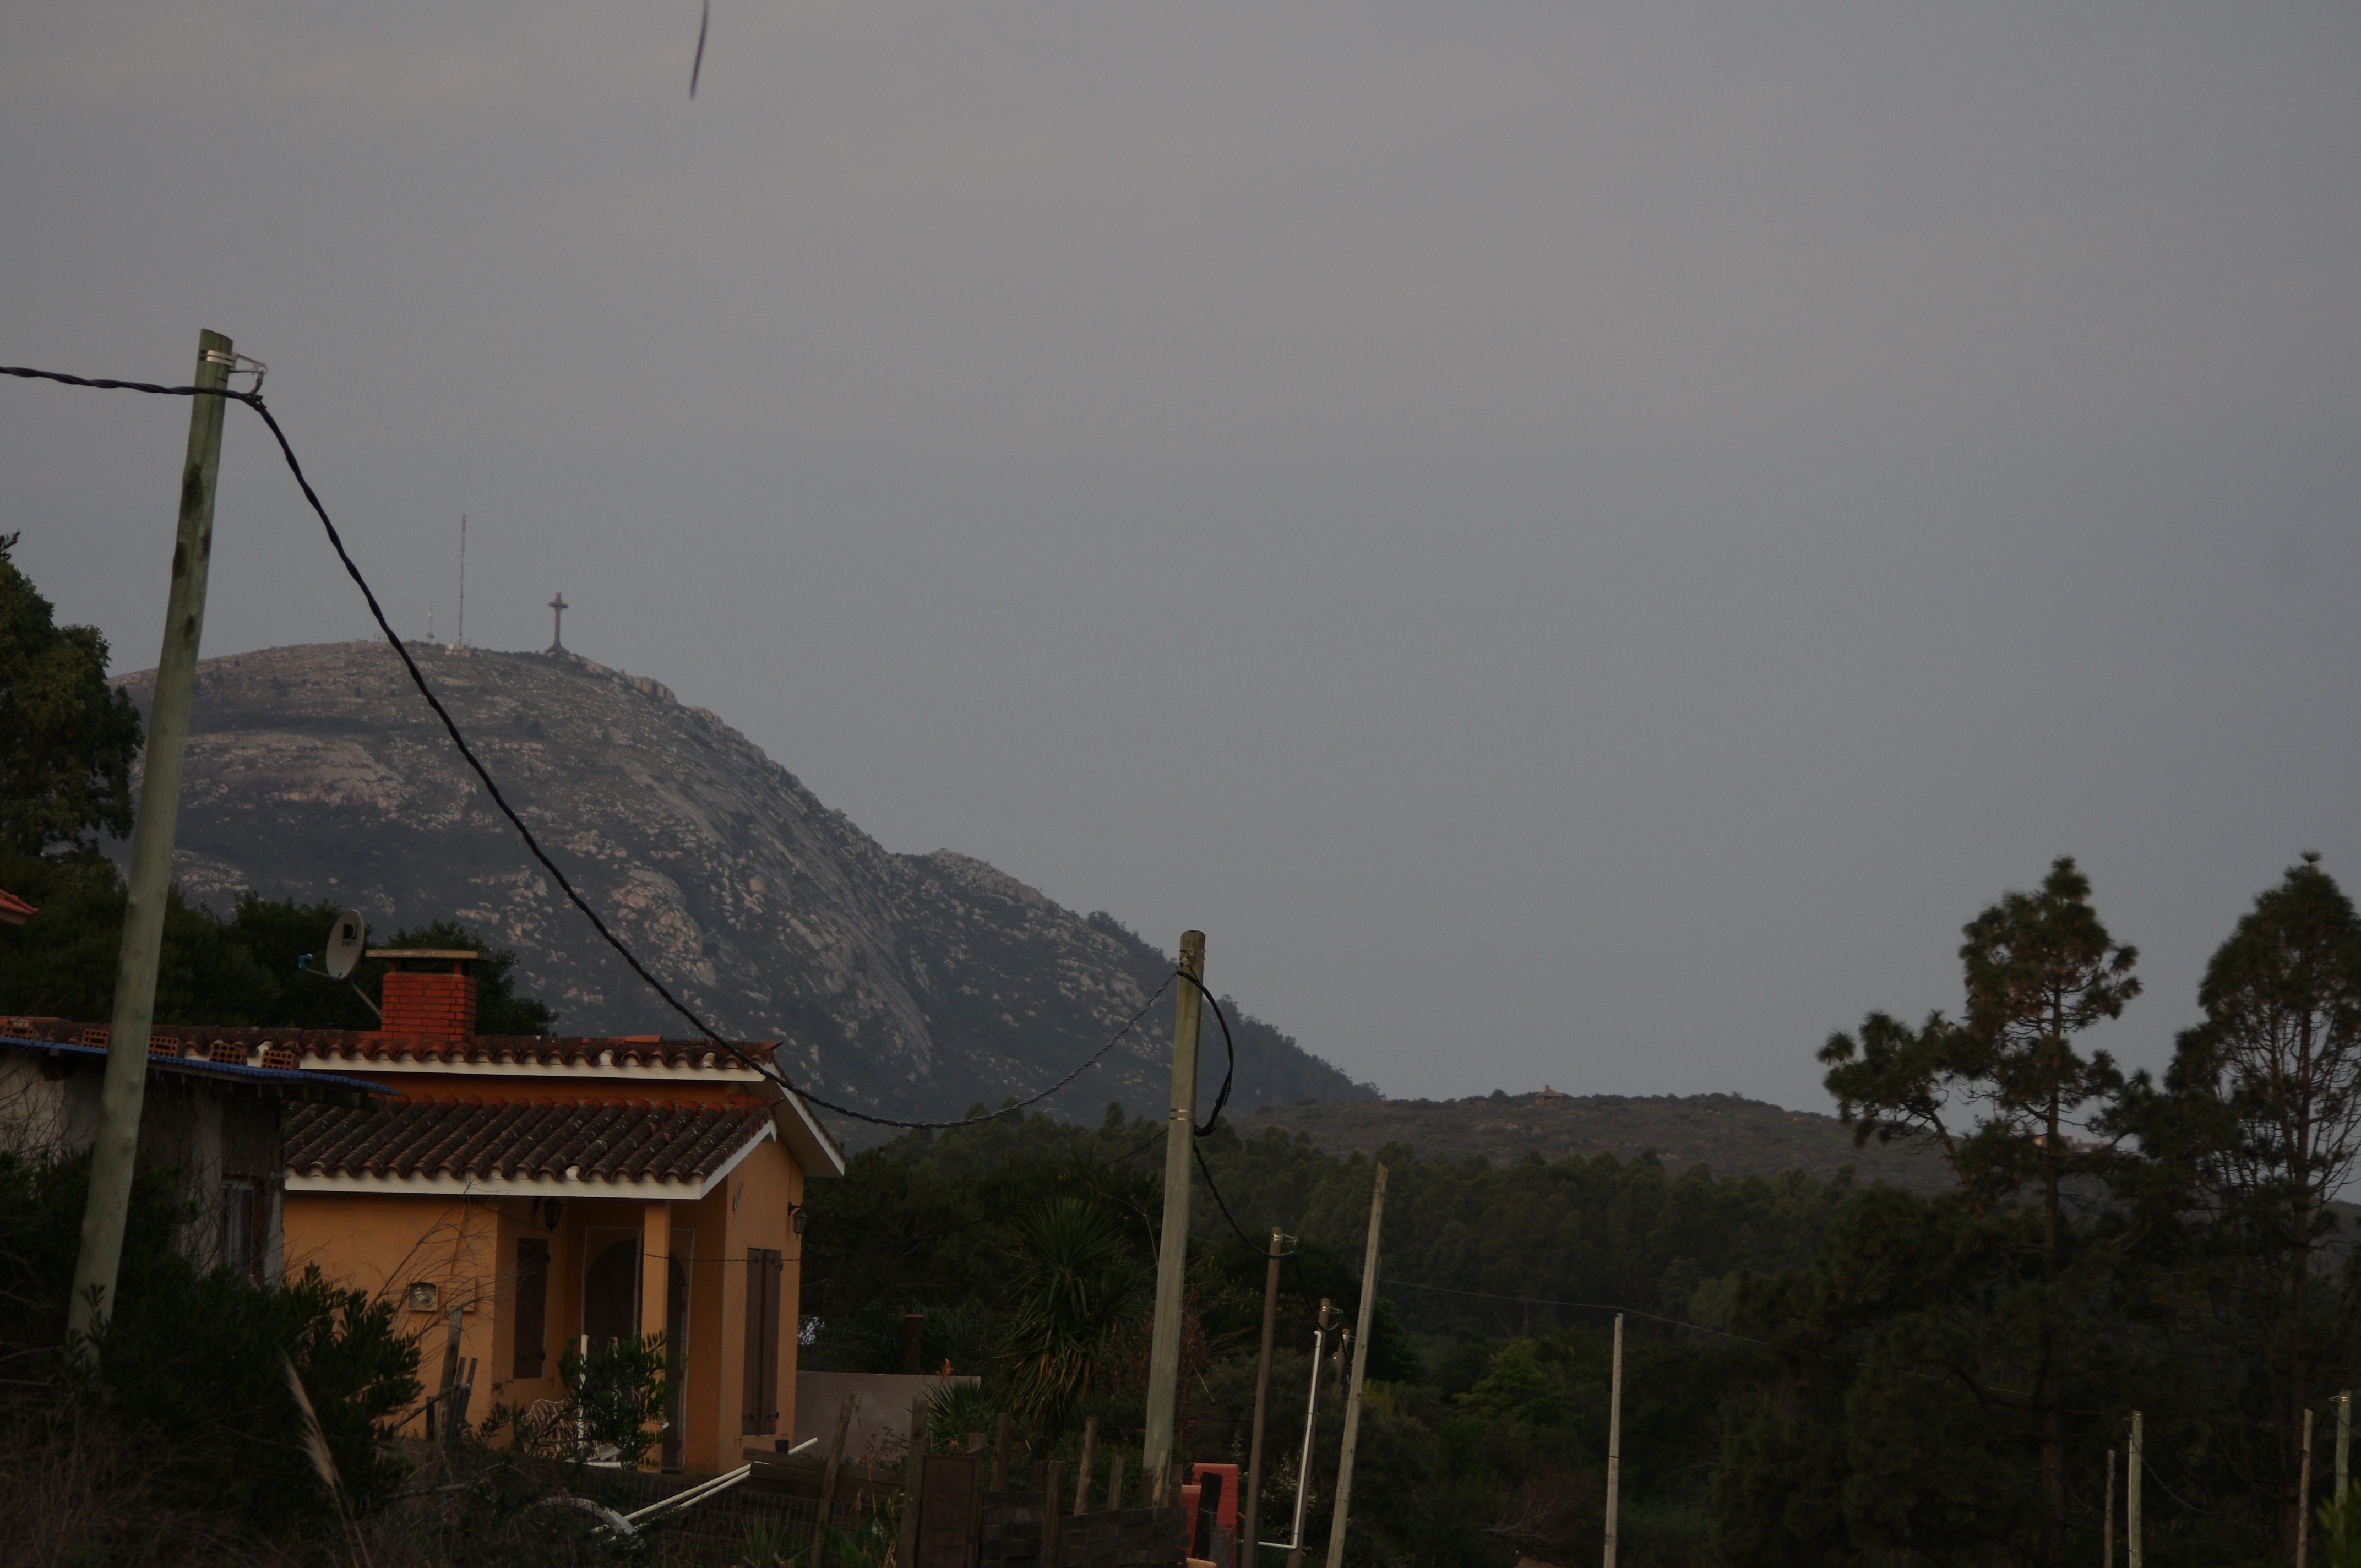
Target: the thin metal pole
(114, 1153)
(2303, 1494)
(1360, 1366)
(1252, 1521)
(1614, 1438)
(1172, 1253)
(2108, 1528)
(1311, 1430)
(2134, 1461)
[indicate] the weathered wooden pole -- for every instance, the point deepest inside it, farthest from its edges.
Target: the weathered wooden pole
(2303, 1494)
(1614, 1438)
(2135, 1460)
(114, 1151)
(2344, 1441)
(827, 1478)
(1172, 1253)
(2107, 1518)
(1251, 1521)
(1360, 1367)
(1083, 1469)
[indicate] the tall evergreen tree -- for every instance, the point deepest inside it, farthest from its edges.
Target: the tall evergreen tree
(2270, 1087)
(2040, 969)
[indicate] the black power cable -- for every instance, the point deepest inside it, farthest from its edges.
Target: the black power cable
(1229, 1045)
(769, 1069)
(1208, 1172)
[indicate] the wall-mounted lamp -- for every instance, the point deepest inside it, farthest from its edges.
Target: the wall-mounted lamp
(799, 1217)
(549, 1210)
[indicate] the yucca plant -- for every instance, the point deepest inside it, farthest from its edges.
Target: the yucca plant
(1077, 1281)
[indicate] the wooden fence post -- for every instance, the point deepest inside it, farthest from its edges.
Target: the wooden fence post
(1082, 1471)
(1053, 1479)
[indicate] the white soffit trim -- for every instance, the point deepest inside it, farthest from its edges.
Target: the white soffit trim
(443, 1184)
(804, 1137)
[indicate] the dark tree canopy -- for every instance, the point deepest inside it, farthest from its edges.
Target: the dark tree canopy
(241, 969)
(66, 739)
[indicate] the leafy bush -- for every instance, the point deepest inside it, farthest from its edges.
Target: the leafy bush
(619, 1391)
(190, 1369)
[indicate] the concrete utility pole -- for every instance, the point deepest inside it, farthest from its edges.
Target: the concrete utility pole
(2134, 1460)
(115, 1154)
(1360, 1366)
(1172, 1254)
(1253, 1518)
(1614, 1438)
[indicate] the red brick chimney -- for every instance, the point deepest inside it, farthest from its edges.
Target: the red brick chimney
(437, 1005)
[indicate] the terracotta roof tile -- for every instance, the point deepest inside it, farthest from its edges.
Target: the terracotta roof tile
(609, 1140)
(353, 1047)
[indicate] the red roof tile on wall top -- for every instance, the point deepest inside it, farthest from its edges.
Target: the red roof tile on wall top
(609, 1140)
(353, 1045)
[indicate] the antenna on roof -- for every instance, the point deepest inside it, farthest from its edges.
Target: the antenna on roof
(345, 939)
(343, 955)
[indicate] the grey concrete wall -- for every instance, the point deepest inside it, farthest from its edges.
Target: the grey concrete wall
(881, 1424)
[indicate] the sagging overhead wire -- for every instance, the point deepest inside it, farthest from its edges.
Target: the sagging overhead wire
(1230, 1046)
(767, 1068)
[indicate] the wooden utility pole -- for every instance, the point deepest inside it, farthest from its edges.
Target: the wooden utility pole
(114, 1151)
(1253, 1514)
(1360, 1366)
(2344, 1442)
(2303, 1494)
(2107, 1517)
(1614, 1438)
(1172, 1254)
(2133, 1461)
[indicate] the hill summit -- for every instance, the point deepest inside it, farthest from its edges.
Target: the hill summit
(903, 984)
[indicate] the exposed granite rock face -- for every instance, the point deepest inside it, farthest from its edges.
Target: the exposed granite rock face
(905, 985)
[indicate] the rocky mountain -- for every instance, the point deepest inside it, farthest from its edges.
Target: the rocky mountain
(905, 985)
(1727, 1132)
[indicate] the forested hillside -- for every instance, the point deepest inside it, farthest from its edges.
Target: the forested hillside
(1818, 1371)
(1730, 1134)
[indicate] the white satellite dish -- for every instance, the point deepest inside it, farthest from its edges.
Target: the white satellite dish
(344, 940)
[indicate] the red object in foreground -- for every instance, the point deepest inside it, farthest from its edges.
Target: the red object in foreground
(1214, 1514)
(14, 911)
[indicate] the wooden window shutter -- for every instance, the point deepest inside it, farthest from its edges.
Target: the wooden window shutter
(778, 1264)
(531, 1307)
(762, 1393)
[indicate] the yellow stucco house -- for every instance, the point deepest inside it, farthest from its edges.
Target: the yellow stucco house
(554, 1189)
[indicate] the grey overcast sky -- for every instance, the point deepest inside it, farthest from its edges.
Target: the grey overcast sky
(1579, 543)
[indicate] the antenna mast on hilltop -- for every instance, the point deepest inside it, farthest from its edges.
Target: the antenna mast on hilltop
(461, 640)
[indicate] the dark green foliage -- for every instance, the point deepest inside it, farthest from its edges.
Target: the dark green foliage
(66, 739)
(619, 1389)
(192, 1367)
(237, 970)
(955, 1224)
